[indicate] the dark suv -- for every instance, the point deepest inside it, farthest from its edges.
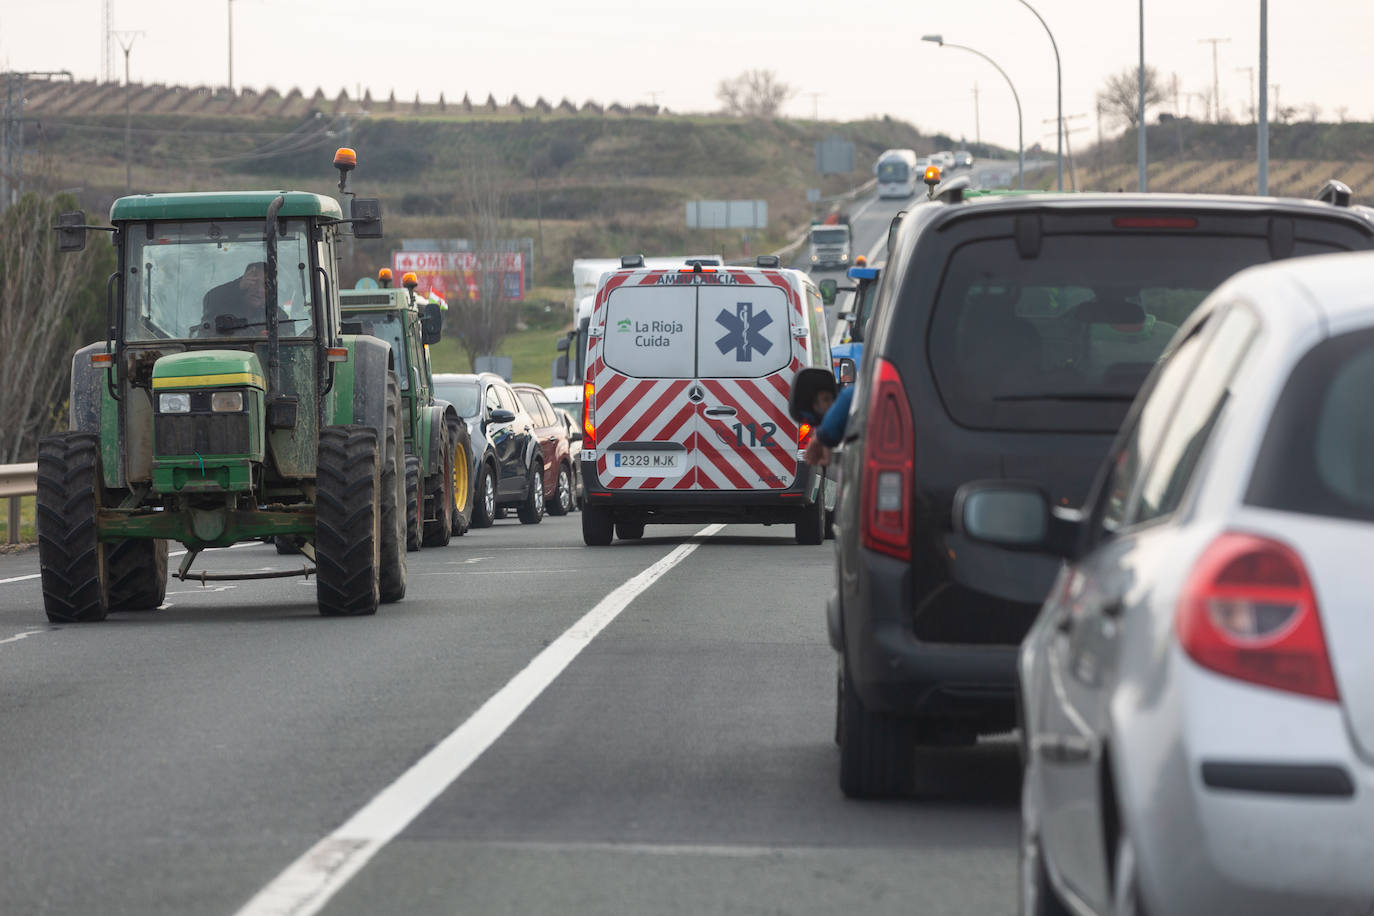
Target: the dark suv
(1011, 335)
(507, 463)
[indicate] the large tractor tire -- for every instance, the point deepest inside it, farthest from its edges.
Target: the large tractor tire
(531, 508)
(392, 574)
(439, 498)
(414, 507)
(348, 516)
(462, 479)
(484, 497)
(137, 568)
(70, 554)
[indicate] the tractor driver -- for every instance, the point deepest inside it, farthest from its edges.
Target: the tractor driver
(244, 299)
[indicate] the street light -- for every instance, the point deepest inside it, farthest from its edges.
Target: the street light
(1059, 93)
(1020, 145)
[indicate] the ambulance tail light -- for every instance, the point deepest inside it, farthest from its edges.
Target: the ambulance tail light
(888, 463)
(588, 406)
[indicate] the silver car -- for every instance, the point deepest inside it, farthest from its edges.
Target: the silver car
(1197, 693)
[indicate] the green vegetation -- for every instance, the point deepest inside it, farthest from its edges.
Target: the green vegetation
(26, 530)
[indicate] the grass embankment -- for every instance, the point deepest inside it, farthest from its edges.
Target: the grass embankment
(26, 513)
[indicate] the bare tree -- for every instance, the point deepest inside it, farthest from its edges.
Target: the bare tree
(754, 94)
(50, 304)
(481, 323)
(1120, 94)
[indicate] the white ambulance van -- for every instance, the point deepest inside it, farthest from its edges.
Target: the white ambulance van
(685, 400)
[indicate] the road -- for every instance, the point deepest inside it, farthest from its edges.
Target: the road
(539, 727)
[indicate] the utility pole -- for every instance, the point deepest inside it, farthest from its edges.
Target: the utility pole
(128, 144)
(977, 128)
(1216, 80)
(1250, 81)
(815, 105)
(1262, 112)
(230, 5)
(1068, 149)
(1140, 151)
(12, 162)
(107, 40)
(653, 95)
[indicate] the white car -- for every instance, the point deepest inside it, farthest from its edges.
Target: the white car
(1197, 693)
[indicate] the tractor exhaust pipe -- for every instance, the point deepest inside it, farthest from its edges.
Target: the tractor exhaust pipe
(273, 342)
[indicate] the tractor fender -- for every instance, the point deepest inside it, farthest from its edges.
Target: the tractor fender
(360, 383)
(92, 410)
(439, 416)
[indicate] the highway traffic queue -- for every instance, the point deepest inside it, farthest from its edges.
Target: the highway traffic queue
(1103, 482)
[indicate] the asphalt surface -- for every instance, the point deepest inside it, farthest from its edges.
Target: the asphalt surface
(181, 760)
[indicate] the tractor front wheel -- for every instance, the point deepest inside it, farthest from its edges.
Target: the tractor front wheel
(70, 554)
(414, 515)
(348, 536)
(138, 573)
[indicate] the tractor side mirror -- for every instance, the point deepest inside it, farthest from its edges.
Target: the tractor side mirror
(828, 288)
(560, 365)
(367, 218)
(71, 230)
(431, 324)
(563, 344)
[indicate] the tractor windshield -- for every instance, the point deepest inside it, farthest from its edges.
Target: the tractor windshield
(206, 279)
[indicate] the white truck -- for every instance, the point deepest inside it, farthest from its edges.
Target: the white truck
(570, 366)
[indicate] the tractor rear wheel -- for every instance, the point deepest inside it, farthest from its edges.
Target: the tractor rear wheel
(348, 536)
(414, 517)
(439, 488)
(138, 573)
(70, 554)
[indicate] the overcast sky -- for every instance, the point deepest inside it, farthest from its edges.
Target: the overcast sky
(861, 63)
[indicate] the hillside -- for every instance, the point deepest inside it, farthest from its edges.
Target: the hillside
(583, 181)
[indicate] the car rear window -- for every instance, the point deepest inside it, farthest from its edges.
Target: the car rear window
(720, 331)
(1315, 457)
(1063, 341)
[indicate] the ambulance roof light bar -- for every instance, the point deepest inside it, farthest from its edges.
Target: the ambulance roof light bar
(631, 260)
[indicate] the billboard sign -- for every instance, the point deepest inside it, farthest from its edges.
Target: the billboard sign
(727, 214)
(458, 274)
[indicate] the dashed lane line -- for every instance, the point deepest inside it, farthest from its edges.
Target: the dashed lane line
(308, 883)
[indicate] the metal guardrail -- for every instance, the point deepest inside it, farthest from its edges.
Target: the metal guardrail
(17, 481)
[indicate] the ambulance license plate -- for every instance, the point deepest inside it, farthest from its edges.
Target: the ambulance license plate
(655, 464)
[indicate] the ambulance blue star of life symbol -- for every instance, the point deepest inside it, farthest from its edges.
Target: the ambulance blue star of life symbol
(744, 329)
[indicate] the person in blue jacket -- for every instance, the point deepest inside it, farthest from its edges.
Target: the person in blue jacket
(831, 414)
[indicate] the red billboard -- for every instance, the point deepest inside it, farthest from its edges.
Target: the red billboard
(456, 274)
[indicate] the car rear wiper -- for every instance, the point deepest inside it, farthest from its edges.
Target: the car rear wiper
(1067, 396)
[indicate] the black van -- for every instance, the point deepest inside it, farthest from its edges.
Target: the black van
(1011, 335)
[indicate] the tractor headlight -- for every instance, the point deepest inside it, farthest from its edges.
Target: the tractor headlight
(226, 401)
(174, 403)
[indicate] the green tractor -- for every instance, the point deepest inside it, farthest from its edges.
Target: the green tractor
(225, 405)
(437, 444)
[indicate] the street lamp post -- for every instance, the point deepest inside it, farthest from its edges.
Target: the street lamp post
(1020, 144)
(1059, 94)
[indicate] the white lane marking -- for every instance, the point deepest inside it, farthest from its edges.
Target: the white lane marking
(18, 636)
(308, 883)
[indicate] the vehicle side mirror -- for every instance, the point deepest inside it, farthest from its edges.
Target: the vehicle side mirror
(71, 230)
(560, 365)
(431, 324)
(563, 344)
(827, 288)
(501, 415)
(367, 218)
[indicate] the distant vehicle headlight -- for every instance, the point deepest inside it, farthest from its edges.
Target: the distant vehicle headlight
(174, 403)
(226, 401)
